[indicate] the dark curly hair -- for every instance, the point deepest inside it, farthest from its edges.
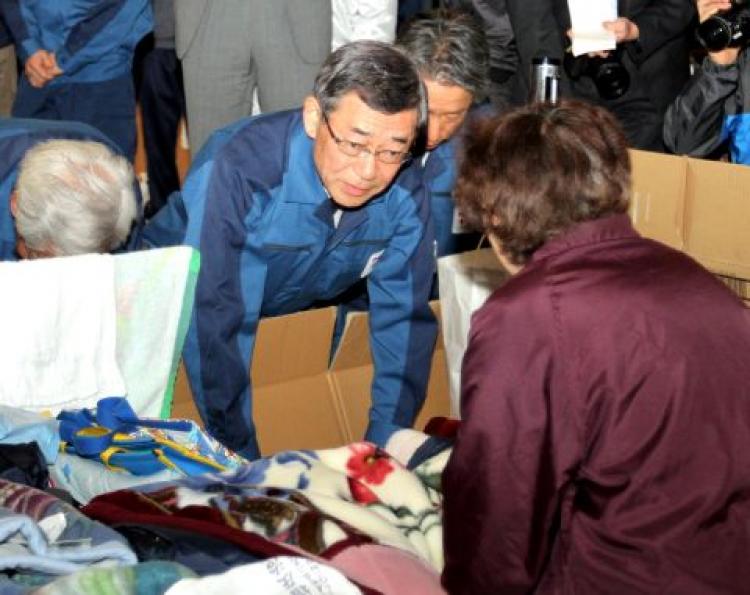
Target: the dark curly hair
(531, 173)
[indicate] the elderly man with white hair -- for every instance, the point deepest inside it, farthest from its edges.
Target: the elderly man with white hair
(67, 189)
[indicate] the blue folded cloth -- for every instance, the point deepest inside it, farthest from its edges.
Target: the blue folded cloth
(42, 534)
(18, 426)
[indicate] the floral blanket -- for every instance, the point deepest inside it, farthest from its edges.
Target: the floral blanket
(317, 501)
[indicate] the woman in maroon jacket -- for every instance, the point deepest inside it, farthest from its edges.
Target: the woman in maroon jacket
(605, 442)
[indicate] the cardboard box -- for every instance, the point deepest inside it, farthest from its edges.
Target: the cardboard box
(352, 371)
(293, 404)
(699, 207)
(299, 401)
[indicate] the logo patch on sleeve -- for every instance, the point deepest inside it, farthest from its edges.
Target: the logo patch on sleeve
(371, 262)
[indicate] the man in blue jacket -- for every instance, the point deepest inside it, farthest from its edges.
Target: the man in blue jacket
(292, 209)
(77, 57)
(74, 199)
(454, 80)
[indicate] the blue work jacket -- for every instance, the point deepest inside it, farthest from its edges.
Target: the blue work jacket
(439, 172)
(439, 175)
(18, 135)
(93, 40)
(255, 207)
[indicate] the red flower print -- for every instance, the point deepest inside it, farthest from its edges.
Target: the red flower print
(360, 492)
(368, 463)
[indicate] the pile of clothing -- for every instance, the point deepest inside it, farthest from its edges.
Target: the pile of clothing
(346, 520)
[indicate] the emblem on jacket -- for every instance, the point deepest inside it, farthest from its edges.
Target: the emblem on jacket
(371, 262)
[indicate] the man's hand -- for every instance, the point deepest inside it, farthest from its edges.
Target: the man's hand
(623, 29)
(41, 67)
(706, 9)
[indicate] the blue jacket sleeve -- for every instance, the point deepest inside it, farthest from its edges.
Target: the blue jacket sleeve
(23, 27)
(103, 28)
(168, 226)
(402, 326)
(228, 299)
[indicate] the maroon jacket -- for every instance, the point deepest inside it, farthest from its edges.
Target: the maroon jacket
(605, 446)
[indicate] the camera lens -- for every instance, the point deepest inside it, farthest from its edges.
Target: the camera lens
(612, 80)
(715, 33)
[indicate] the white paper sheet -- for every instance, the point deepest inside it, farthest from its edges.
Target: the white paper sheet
(586, 17)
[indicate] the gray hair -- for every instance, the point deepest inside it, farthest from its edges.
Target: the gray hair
(450, 48)
(74, 197)
(383, 78)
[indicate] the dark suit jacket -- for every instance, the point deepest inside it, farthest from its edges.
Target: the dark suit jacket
(658, 62)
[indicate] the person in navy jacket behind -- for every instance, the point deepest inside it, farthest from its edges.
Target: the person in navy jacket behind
(451, 55)
(77, 57)
(73, 199)
(293, 208)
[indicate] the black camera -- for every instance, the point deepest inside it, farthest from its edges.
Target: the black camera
(610, 77)
(728, 28)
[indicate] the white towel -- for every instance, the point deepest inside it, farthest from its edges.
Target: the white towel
(58, 333)
(154, 294)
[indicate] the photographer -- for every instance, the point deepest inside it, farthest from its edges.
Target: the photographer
(653, 46)
(710, 114)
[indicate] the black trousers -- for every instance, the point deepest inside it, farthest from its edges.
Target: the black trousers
(161, 94)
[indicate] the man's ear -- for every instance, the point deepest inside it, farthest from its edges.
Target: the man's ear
(311, 115)
(14, 203)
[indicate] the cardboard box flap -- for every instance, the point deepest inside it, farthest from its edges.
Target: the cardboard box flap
(700, 207)
(292, 346)
(658, 202)
(354, 346)
(353, 350)
(294, 405)
(717, 216)
(352, 372)
(301, 413)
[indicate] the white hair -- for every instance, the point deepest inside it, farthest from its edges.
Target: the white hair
(74, 197)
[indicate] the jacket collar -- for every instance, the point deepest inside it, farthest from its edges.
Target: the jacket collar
(436, 162)
(304, 183)
(613, 227)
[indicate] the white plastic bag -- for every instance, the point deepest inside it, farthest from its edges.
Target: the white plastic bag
(466, 280)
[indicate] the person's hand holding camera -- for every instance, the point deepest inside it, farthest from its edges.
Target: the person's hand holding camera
(706, 9)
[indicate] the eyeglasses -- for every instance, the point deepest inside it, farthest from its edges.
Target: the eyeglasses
(353, 149)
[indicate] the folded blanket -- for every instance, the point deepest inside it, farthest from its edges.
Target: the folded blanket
(41, 534)
(315, 502)
(25, 545)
